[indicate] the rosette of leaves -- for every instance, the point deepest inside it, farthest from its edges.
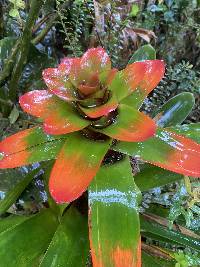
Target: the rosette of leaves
(86, 107)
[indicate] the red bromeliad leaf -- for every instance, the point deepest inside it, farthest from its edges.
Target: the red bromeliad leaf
(36, 102)
(167, 150)
(77, 163)
(29, 146)
(107, 77)
(130, 125)
(139, 77)
(95, 60)
(102, 110)
(58, 82)
(59, 117)
(113, 217)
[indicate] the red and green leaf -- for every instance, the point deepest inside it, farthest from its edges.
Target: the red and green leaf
(102, 110)
(139, 78)
(59, 116)
(29, 146)
(94, 61)
(113, 217)
(167, 150)
(58, 82)
(77, 164)
(191, 130)
(130, 125)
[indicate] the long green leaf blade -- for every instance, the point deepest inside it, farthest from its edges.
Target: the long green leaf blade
(175, 236)
(14, 193)
(175, 110)
(69, 246)
(151, 176)
(113, 217)
(21, 244)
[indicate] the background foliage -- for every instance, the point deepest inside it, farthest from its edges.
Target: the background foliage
(37, 36)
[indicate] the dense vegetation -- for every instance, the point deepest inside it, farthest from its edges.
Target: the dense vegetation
(35, 35)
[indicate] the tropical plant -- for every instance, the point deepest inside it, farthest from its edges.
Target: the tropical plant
(89, 111)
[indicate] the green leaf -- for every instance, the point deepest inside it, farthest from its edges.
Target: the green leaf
(21, 244)
(6, 45)
(189, 130)
(167, 150)
(130, 125)
(11, 221)
(14, 115)
(171, 235)
(175, 110)
(14, 13)
(146, 52)
(113, 216)
(152, 176)
(69, 246)
(13, 194)
(150, 261)
(134, 10)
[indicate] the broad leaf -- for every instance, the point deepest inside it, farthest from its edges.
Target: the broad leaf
(113, 217)
(22, 243)
(130, 125)
(146, 52)
(77, 164)
(152, 176)
(175, 110)
(14, 193)
(167, 150)
(59, 117)
(29, 146)
(139, 79)
(170, 235)
(189, 130)
(104, 109)
(150, 261)
(11, 221)
(69, 246)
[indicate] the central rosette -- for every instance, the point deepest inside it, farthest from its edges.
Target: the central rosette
(84, 83)
(86, 93)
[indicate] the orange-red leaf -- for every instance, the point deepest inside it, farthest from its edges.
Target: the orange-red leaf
(77, 163)
(130, 125)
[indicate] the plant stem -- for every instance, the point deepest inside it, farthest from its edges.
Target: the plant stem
(24, 47)
(9, 63)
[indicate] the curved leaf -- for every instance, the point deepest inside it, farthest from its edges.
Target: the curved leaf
(145, 52)
(29, 146)
(189, 130)
(102, 110)
(175, 110)
(175, 236)
(151, 176)
(58, 82)
(167, 150)
(77, 164)
(130, 125)
(113, 217)
(69, 246)
(59, 116)
(14, 193)
(19, 246)
(139, 79)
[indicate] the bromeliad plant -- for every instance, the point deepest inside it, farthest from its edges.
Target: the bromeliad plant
(87, 110)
